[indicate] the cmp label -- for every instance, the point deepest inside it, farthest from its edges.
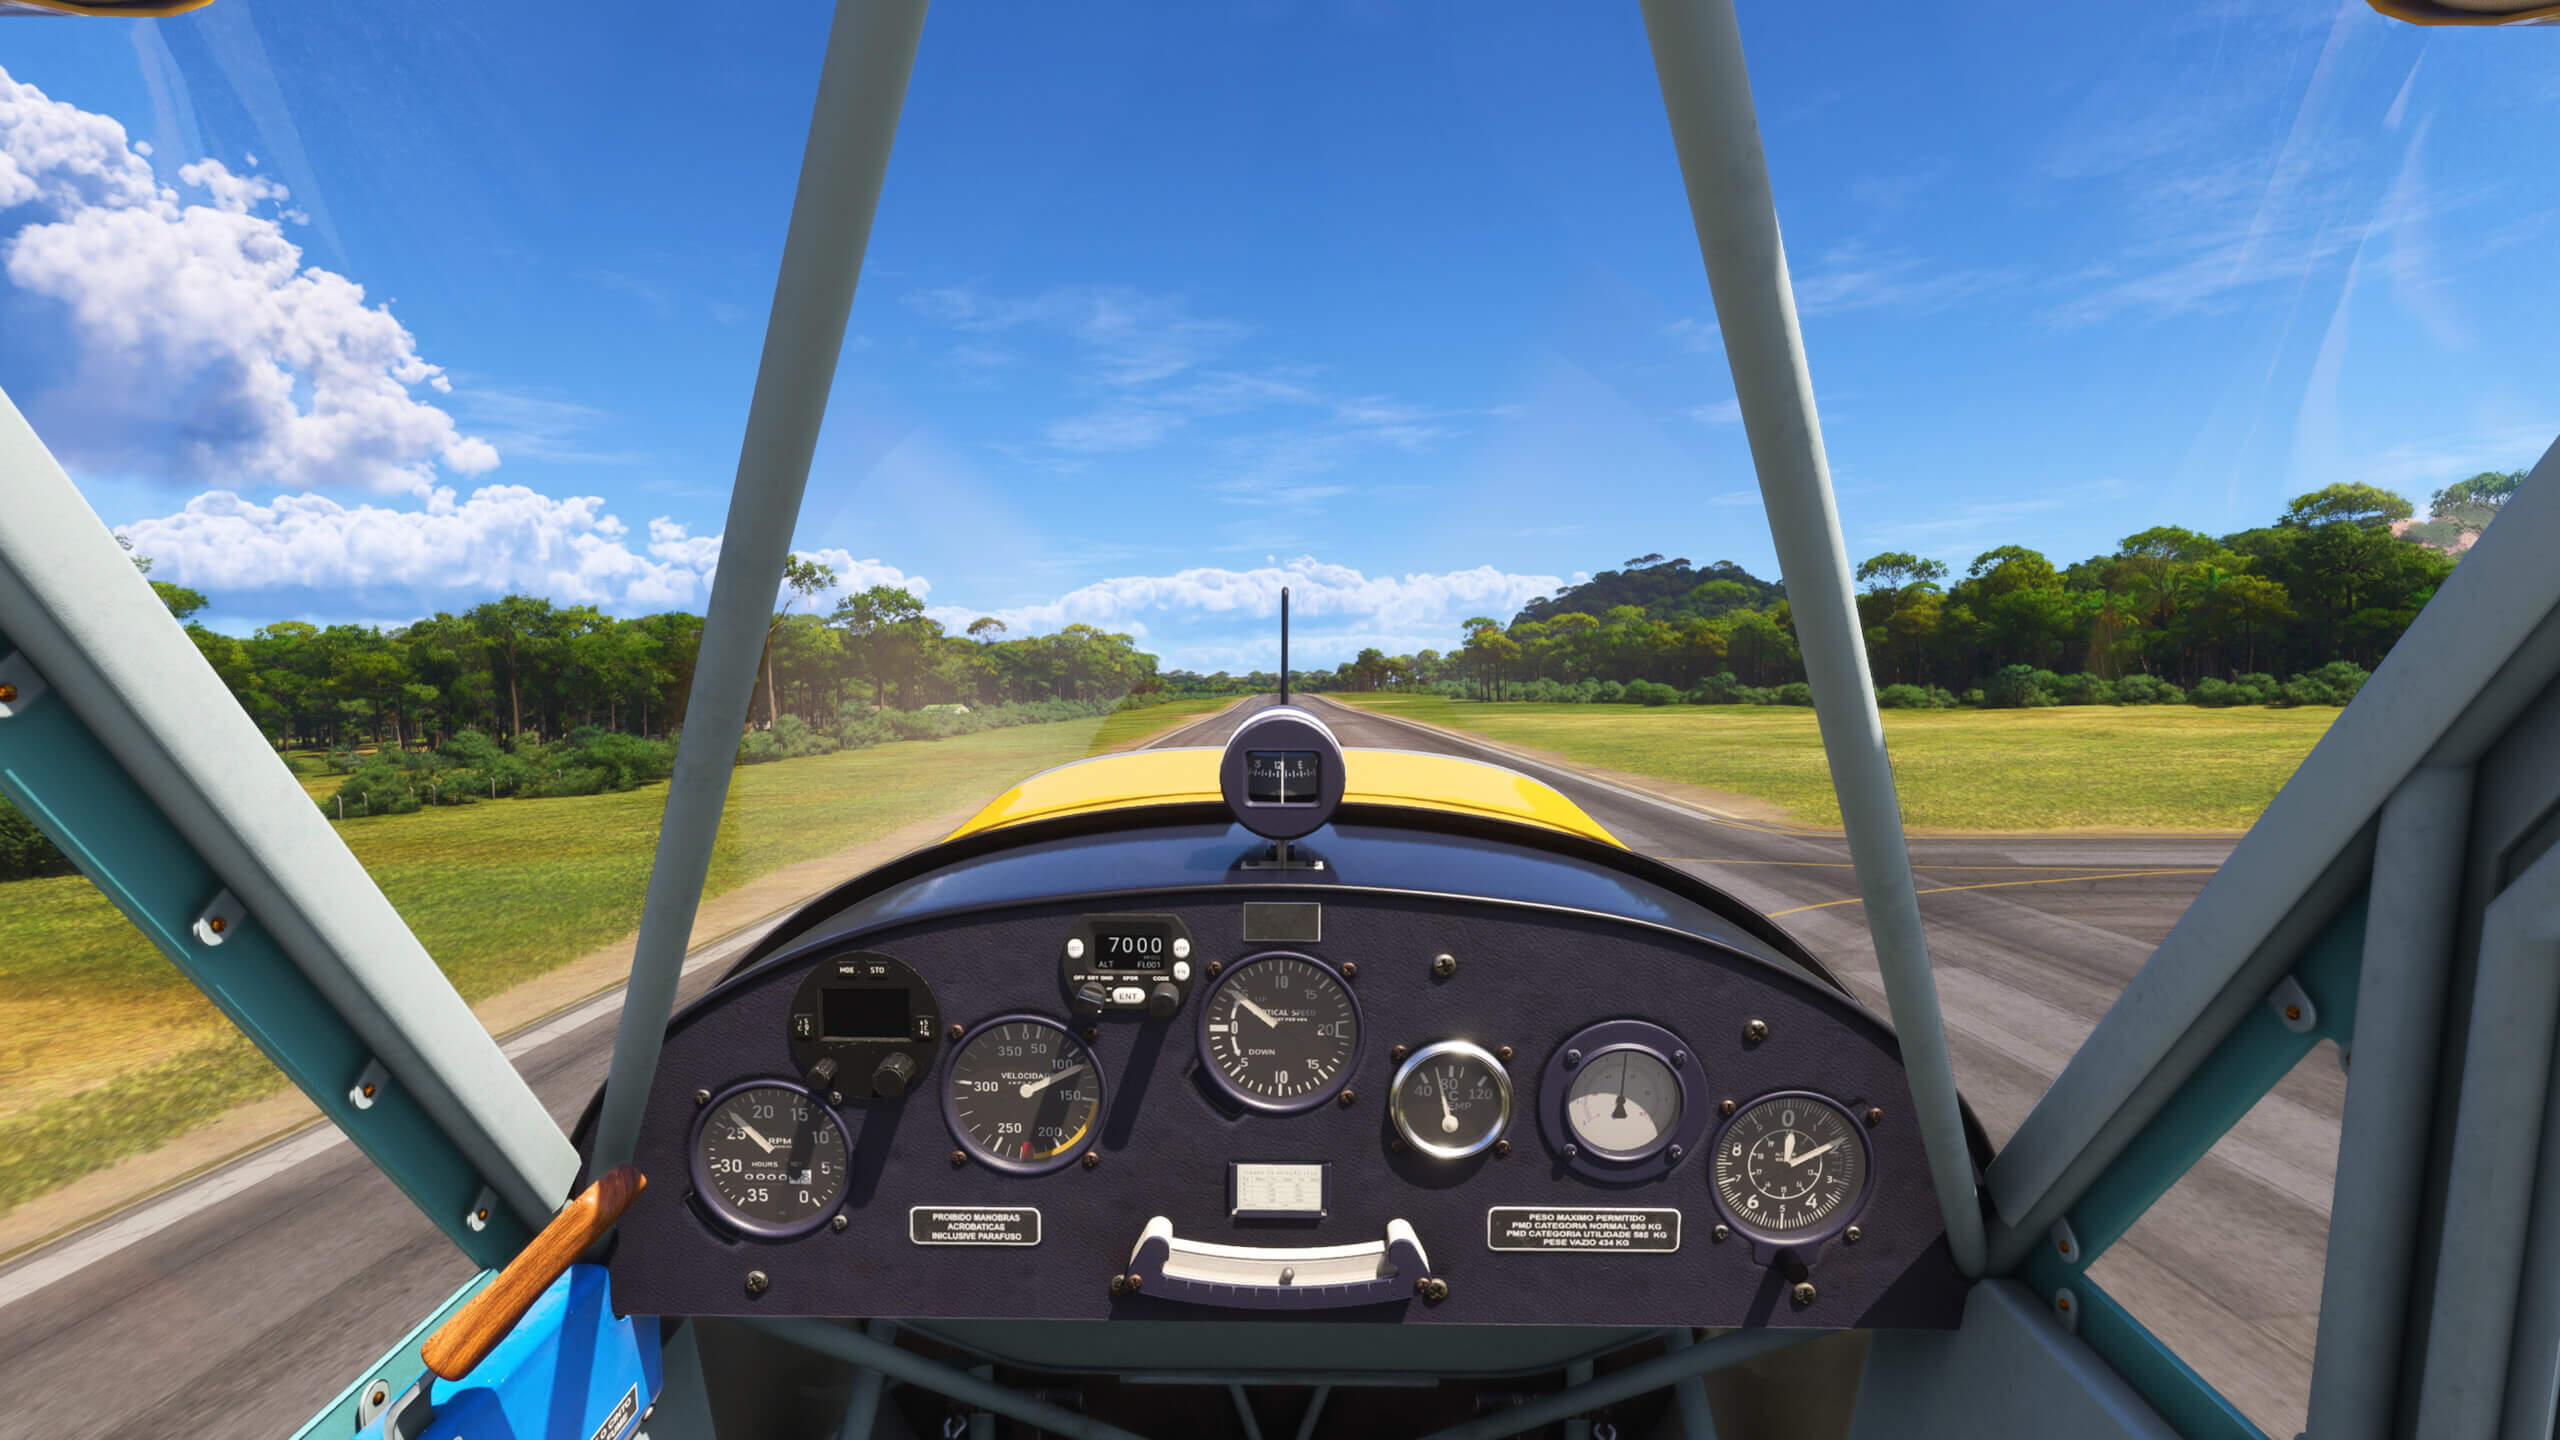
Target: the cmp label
(973, 1225)
(1529, 1227)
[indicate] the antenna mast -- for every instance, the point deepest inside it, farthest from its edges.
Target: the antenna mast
(1284, 644)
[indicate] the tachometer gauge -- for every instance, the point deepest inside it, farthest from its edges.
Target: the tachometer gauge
(1621, 1102)
(1451, 1100)
(1280, 1033)
(1791, 1168)
(769, 1159)
(1023, 1094)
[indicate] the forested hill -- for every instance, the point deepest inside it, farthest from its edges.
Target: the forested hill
(1662, 589)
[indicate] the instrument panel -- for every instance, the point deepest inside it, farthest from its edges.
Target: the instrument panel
(1416, 1109)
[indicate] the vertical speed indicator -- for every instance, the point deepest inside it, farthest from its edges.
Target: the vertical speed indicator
(1280, 1033)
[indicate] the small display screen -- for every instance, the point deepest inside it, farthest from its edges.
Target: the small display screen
(847, 1014)
(1131, 945)
(1283, 922)
(1282, 777)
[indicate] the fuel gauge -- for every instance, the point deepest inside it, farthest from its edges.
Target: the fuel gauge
(1451, 1100)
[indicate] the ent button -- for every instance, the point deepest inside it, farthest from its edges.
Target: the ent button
(1128, 995)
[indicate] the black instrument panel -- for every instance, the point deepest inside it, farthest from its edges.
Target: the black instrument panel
(1154, 1186)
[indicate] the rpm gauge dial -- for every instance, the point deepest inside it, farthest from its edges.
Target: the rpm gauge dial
(769, 1159)
(1279, 1033)
(1791, 1167)
(1023, 1094)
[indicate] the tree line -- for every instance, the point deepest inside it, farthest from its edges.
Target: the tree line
(522, 665)
(2172, 614)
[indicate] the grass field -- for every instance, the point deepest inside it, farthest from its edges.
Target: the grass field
(105, 1049)
(2079, 767)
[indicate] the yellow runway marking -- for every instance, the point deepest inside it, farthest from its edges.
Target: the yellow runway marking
(1996, 885)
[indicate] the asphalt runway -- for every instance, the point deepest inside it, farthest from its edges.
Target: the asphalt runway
(239, 1304)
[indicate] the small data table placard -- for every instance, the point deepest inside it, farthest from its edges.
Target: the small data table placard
(973, 1225)
(1531, 1227)
(1258, 1190)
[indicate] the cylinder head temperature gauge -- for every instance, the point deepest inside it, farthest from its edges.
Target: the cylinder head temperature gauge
(1451, 1100)
(1621, 1101)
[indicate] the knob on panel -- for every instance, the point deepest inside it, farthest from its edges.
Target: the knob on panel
(1163, 1000)
(894, 1074)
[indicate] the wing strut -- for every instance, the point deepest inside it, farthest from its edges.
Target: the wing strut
(871, 48)
(1697, 56)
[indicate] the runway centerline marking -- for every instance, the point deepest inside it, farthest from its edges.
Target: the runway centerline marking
(1996, 885)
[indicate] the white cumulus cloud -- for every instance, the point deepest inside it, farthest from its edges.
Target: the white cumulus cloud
(503, 538)
(1333, 608)
(201, 348)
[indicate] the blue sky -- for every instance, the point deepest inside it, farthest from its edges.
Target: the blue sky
(409, 304)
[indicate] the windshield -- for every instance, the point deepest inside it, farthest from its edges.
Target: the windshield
(2167, 358)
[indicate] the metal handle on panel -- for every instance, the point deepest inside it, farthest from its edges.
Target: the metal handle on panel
(1257, 1277)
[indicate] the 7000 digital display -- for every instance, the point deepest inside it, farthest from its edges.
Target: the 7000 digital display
(1124, 945)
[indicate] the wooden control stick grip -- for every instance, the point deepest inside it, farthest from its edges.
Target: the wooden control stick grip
(475, 1329)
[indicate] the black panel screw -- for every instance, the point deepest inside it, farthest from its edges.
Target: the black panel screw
(1804, 1294)
(1725, 1107)
(1092, 1158)
(1674, 1152)
(835, 1097)
(1432, 1289)
(1443, 966)
(1093, 1032)
(1503, 1053)
(959, 1158)
(1754, 1031)
(1348, 1096)
(1501, 1148)
(1679, 1059)
(758, 1282)
(701, 1097)
(1571, 1150)
(1126, 1284)
(1875, 1117)
(1721, 1233)
(838, 1223)
(1402, 1051)
(955, 1032)
(1572, 1058)
(1853, 1234)
(1350, 969)
(1217, 965)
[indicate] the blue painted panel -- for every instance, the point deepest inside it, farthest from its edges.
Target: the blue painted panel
(2248, 1063)
(2239, 1073)
(396, 1371)
(570, 1370)
(52, 768)
(2193, 1408)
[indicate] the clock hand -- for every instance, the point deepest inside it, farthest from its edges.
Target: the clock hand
(1809, 1154)
(751, 1133)
(1621, 1112)
(1034, 1087)
(1265, 1016)
(1789, 1157)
